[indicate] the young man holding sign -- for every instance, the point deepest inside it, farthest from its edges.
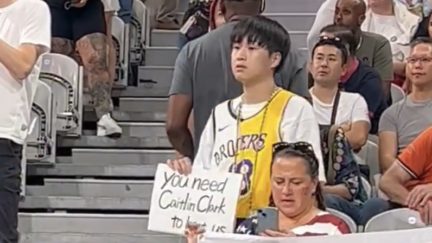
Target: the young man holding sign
(239, 135)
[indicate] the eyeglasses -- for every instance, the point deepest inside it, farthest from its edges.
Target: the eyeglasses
(328, 38)
(301, 147)
(413, 60)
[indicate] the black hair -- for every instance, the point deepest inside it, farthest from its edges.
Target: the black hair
(336, 42)
(347, 35)
(421, 40)
(304, 151)
(423, 28)
(232, 8)
(264, 32)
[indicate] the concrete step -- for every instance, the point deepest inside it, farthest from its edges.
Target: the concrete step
(155, 77)
(155, 131)
(299, 38)
(62, 223)
(160, 56)
(120, 157)
(158, 106)
(124, 142)
(292, 6)
(93, 188)
(98, 238)
(85, 203)
(127, 116)
(144, 91)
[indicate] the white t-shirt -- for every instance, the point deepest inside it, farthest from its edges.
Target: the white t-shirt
(22, 22)
(388, 26)
(352, 108)
(297, 124)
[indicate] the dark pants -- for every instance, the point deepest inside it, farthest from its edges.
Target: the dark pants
(10, 189)
(361, 214)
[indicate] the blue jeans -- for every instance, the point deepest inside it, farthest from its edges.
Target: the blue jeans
(361, 214)
(125, 12)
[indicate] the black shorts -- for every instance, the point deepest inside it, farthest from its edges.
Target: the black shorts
(10, 189)
(74, 23)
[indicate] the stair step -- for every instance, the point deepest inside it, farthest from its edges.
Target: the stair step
(128, 116)
(120, 157)
(93, 188)
(160, 56)
(92, 170)
(292, 6)
(158, 77)
(89, 203)
(98, 238)
(84, 223)
(132, 91)
(104, 142)
(156, 106)
(153, 130)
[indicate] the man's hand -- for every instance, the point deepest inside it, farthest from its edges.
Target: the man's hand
(419, 196)
(426, 213)
(346, 126)
(182, 166)
(78, 4)
(272, 233)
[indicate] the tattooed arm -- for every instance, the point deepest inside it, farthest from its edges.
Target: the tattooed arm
(34, 40)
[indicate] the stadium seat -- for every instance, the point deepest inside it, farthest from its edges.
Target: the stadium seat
(23, 171)
(367, 186)
(348, 220)
(379, 193)
(65, 77)
(397, 93)
(369, 153)
(119, 40)
(41, 139)
(396, 219)
(139, 31)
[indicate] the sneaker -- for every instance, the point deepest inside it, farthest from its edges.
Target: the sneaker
(106, 126)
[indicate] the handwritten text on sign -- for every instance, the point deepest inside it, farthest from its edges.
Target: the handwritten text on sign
(203, 197)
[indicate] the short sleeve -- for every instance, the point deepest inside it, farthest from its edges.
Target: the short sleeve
(360, 110)
(415, 158)
(387, 121)
(383, 61)
(182, 81)
(36, 28)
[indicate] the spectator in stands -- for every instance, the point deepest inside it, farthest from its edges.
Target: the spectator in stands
(125, 12)
(203, 78)
(408, 181)
(402, 122)
(166, 15)
(425, 28)
(360, 78)
(25, 35)
(296, 193)
(332, 106)
(83, 25)
(263, 115)
(418, 7)
(111, 7)
(373, 49)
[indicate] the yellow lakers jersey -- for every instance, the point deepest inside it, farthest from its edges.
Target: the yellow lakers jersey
(245, 146)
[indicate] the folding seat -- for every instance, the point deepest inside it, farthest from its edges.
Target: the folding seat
(397, 93)
(396, 219)
(65, 77)
(139, 31)
(347, 219)
(41, 138)
(121, 48)
(369, 153)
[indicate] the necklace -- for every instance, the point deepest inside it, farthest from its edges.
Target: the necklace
(238, 145)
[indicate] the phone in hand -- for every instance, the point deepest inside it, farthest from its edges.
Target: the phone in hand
(267, 219)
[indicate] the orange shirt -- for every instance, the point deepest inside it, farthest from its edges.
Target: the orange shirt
(416, 159)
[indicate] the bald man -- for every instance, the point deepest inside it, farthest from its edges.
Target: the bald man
(373, 49)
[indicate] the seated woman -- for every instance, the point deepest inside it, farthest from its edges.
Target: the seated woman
(296, 193)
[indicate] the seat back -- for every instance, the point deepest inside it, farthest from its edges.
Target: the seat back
(367, 186)
(369, 153)
(347, 219)
(397, 93)
(119, 40)
(23, 171)
(65, 77)
(40, 141)
(138, 31)
(396, 219)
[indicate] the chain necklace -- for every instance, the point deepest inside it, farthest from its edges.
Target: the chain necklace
(238, 138)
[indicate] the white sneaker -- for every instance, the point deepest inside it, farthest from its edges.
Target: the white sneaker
(106, 126)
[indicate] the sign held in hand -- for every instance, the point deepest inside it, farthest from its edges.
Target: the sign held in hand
(204, 197)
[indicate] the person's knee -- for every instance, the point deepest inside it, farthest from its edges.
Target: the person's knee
(62, 46)
(372, 207)
(93, 52)
(333, 201)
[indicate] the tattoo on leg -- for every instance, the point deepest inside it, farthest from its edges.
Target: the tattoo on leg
(93, 52)
(62, 46)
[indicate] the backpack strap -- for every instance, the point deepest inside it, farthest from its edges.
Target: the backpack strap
(331, 173)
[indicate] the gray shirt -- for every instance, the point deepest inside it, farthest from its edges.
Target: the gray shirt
(203, 71)
(407, 119)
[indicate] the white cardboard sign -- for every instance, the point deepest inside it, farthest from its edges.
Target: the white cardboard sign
(204, 197)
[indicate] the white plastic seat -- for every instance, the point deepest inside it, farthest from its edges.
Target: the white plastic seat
(139, 31)
(65, 77)
(347, 219)
(396, 219)
(367, 186)
(369, 153)
(397, 93)
(41, 138)
(119, 40)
